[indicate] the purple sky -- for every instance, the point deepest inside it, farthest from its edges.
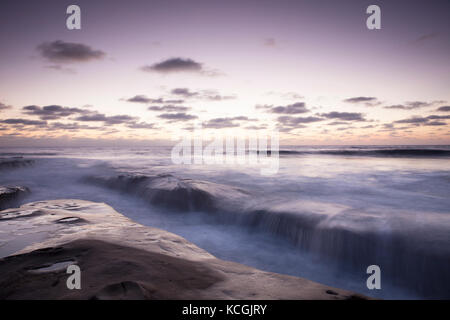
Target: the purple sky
(147, 70)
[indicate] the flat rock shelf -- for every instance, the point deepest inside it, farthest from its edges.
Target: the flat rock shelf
(121, 259)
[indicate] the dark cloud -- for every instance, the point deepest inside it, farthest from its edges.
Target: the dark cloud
(180, 116)
(52, 112)
(444, 109)
(295, 108)
(175, 65)
(140, 99)
(65, 52)
(107, 120)
(344, 116)
(435, 123)
(25, 122)
(424, 120)
(169, 108)
(145, 99)
(367, 101)
(436, 117)
(360, 99)
(141, 125)
(219, 123)
(185, 92)
(295, 121)
(412, 105)
(414, 120)
(71, 126)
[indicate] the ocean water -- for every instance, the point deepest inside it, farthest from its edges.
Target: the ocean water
(328, 213)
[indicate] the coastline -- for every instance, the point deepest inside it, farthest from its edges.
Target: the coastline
(121, 259)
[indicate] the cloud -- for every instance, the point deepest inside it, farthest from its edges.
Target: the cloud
(141, 125)
(107, 120)
(4, 106)
(52, 112)
(360, 99)
(424, 120)
(434, 117)
(145, 99)
(213, 95)
(444, 109)
(25, 122)
(219, 123)
(67, 52)
(209, 95)
(344, 116)
(175, 65)
(70, 126)
(169, 108)
(295, 108)
(295, 121)
(180, 116)
(337, 123)
(260, 127)
(140, 99)
(414, 120)
(412, 105)
(435, 123)
(185, 92)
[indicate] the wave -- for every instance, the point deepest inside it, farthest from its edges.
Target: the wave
(15, 162)
(415, 260)
(10, 195)
(351, 239)
(166, 190)
(372, 152)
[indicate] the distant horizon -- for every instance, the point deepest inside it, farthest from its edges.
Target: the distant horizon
(171, 145)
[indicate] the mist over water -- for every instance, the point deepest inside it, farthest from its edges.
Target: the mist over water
(326, 215)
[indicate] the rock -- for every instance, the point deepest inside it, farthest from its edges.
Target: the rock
(14, 162)
(120, 259)
(10, 194)
(168, 191)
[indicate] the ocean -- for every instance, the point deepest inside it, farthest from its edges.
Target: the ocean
(326, 215)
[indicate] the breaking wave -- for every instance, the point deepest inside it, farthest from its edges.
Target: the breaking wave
(168, 191)
(403, 152)
(410, 257)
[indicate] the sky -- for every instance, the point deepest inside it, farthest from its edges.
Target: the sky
(149, 71)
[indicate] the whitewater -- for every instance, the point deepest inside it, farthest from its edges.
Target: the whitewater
(328, 213)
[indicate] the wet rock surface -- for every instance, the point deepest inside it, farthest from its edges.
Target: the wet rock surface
(14, 162)
(120, 259)
(166, 190)
(9, 195)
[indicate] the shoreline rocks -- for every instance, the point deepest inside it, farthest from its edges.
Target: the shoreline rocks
(121, 259)
(11, 194)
